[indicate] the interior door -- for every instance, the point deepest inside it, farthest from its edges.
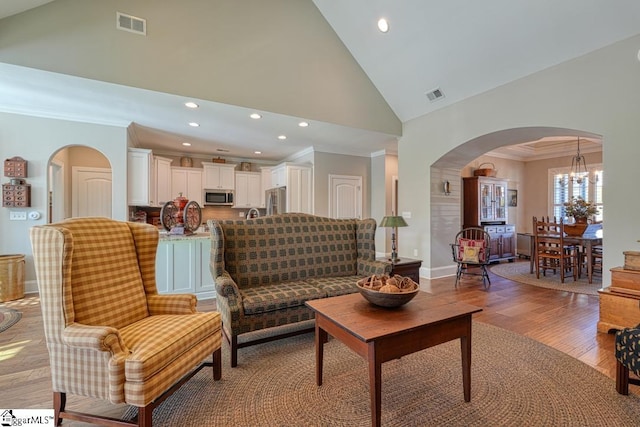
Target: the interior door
(345, 196)
(91, 188)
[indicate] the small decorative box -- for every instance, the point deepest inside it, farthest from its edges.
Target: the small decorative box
(15, 167)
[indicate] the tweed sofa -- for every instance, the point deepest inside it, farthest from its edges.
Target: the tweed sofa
(266, 268)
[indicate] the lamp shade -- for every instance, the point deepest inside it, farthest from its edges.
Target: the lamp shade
(393, 221)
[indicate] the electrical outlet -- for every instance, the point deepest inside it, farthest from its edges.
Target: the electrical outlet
(406, 214)
(241, 214)
(17, 216)
(415, 252)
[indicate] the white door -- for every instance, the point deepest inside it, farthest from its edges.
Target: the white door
(91, 188)
(345, 196)
(56, 192)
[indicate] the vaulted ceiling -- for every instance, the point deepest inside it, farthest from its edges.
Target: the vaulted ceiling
(460, 47)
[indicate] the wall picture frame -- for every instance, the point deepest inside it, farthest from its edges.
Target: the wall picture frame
(512, 198)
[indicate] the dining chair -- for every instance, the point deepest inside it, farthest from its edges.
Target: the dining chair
(551, 251)
(471, 251)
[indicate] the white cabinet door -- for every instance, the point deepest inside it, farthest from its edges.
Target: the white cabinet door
(218, 176)
(205, 287)
(248, 190)
(299, 190)
(266, 184)
(227, 177)
(187, 181)
(162, 172)
(182, 266)
(279, 177)
(139, 168)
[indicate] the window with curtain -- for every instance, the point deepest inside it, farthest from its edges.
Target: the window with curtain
(563, 188)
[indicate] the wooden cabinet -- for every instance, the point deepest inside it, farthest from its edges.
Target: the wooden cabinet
(406, 267)
(162, 175)
(182, 266)
(16, 195)
(218, 176)
(503, 242)
(279, 176)
(620, 302)
(297, 178)
(187, 181)
(485, 201)
(248, 190)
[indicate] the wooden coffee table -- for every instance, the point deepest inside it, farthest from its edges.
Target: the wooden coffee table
(381, 334)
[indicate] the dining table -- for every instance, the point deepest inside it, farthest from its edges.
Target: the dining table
(591, 237)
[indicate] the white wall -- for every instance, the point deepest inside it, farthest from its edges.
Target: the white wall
(36, 140)
(596, 93)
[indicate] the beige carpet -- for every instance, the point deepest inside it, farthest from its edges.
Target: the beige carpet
(8, 318)
(515, 381)
(519, 272)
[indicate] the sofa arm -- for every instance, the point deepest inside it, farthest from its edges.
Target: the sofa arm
(370, 267)
(96, 338)
(226, 287)
(172, 304)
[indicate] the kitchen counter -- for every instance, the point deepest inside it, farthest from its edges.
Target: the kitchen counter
(165, 236)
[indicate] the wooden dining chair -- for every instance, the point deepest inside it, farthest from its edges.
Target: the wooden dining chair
(471, 251)
(551, 251)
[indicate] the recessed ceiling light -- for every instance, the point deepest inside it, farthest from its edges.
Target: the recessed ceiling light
(186, 144)
(283, 137)
(383, 25)
(257, 152)
(194, 124)
(303, 124)
(191, 104)
(255, 116)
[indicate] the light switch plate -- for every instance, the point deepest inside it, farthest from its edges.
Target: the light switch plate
(17, 216)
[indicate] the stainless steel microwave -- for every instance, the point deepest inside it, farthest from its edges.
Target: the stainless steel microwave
(218, 197)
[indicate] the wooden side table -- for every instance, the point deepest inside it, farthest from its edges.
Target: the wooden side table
(406, 267)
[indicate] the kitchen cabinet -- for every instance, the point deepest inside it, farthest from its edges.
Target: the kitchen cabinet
(298, 181)
(485, 201)
(182, 266)
(139, 177)
(218, 176)
(265, 185)
(279, 176)
(502, 243)
(162, 173)
(148, 178)
(248, 190)
(187, 181)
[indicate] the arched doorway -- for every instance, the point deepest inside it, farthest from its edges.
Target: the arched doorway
(446, 217)
(79, 183)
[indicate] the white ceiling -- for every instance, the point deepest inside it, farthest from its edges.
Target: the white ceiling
(462, 47)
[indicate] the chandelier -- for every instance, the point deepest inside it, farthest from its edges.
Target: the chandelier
(579, 172)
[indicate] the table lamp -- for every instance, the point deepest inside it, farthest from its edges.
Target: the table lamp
(393, 222)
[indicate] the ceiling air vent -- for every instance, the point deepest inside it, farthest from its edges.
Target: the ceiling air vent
(131, 23)
(435, 94)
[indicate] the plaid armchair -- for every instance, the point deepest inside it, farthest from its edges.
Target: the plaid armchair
(109, 334)
(627, 358)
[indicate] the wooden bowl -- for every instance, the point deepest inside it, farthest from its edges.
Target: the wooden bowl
(388, 300)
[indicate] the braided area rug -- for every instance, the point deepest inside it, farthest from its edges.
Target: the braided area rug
(8, 318)
(514, 381)
(520, 272)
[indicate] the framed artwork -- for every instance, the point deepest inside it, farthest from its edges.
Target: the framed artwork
(512, 198)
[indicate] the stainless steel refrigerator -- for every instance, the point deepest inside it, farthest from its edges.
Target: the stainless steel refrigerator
(276, 199)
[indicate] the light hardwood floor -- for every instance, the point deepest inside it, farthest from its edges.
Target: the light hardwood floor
(563, 320)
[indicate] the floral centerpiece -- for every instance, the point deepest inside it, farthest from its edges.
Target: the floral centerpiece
(579, 209)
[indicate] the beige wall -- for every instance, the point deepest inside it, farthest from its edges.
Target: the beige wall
(37, 140)
(595, 94)
(281, 57)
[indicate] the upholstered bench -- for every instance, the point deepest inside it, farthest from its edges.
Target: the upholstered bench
(266, 268)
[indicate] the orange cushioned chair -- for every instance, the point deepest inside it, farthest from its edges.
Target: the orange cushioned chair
(110, 335)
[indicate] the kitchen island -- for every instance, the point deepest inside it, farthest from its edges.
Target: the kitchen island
(182, 265)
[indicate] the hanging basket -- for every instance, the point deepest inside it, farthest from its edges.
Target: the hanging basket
(486, 171)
